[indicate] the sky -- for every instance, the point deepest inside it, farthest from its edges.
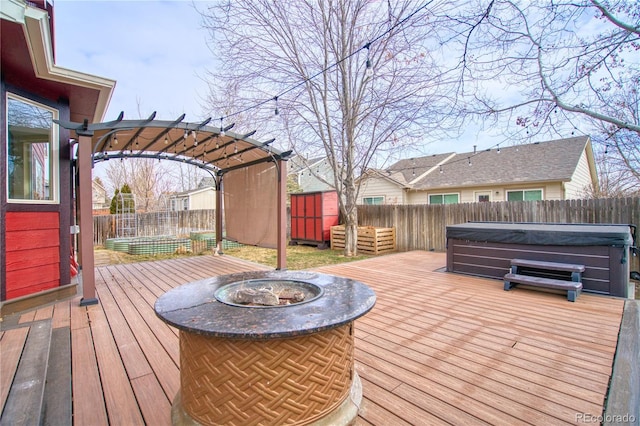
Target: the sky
(157, 53)
(155, 50)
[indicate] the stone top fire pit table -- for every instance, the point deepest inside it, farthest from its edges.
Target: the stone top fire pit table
(248, 364)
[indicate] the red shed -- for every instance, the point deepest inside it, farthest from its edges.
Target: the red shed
(312, 216)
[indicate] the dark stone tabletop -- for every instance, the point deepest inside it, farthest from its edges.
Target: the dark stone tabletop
(193, 307)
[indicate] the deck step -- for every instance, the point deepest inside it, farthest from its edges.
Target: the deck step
(572, 288)
(25, 400)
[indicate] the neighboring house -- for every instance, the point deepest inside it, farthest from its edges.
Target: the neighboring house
(311, 173)
(554, 170)
(201, 198)
(36, 181)
(99, 196)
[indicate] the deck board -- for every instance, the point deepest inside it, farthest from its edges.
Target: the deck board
(438, 348)
(12, 342)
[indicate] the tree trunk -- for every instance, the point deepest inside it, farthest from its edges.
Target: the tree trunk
(351, 219)
(351, 235)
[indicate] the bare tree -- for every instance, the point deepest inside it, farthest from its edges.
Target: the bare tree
(311, 60)
(553, 67)
(148, 179)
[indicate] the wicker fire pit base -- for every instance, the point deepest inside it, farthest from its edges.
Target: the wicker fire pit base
(301, 380)
(272, 365)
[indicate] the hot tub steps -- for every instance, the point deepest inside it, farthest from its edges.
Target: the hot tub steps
(546, 275)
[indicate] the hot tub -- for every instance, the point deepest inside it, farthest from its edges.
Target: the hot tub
(486, 249)
(257, 361)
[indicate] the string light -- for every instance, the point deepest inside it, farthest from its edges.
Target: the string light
(115, 139)
(166, 140)
(498, 148)
(469, 158)
(195, 138)
(276, 100)
(441, 171)
(368, 69)
(368, 72)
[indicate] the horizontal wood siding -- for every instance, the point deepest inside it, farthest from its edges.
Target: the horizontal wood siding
(32, 252)
(580, 181)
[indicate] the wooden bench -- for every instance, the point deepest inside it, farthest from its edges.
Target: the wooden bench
(518, 276)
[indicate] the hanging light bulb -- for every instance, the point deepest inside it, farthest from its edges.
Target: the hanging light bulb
(276, 111)
(469, 160)
(441, 171)
(368, 72)
(222, 133)
(166, 140)
(217, 144)
(235, 148)
(195, 138)
(498, 148)
(115, 139)
(186, 134)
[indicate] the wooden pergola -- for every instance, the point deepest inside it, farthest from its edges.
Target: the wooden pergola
(214, 149)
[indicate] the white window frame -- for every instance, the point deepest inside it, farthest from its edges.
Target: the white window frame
(372, 198)
(443, 194)
(54, 150)
(507, 192)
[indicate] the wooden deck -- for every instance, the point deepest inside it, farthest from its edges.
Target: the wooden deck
(438, 348)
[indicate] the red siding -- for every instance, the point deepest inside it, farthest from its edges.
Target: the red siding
(32, 252)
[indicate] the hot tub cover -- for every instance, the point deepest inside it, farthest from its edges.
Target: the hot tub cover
(556, 234)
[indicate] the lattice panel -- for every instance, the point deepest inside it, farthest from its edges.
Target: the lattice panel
(281, 381)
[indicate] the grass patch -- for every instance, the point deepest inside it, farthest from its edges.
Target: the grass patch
(102, 256)
(298, 257)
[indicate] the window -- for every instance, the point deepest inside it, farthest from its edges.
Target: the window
(525, 195)
(483, 197)
(32, 147)
(185, 204)
(372, 200)
(443, 199)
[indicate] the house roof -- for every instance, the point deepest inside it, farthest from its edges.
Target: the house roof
(410, 169)
(536, 162)
(191, 192)
(298, 164)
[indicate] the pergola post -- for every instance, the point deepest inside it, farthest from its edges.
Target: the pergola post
(282, 215)
(85, 215)
(219, 198)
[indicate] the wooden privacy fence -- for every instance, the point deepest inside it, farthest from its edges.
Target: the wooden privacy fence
(418, 227)
(422, 227)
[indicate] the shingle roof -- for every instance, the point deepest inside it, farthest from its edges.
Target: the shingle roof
(412, 168)
(297, 164)
(537, 162)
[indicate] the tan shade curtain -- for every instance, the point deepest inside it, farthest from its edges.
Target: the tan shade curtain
(250, 205)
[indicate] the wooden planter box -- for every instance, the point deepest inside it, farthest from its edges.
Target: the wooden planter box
(371, 240)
